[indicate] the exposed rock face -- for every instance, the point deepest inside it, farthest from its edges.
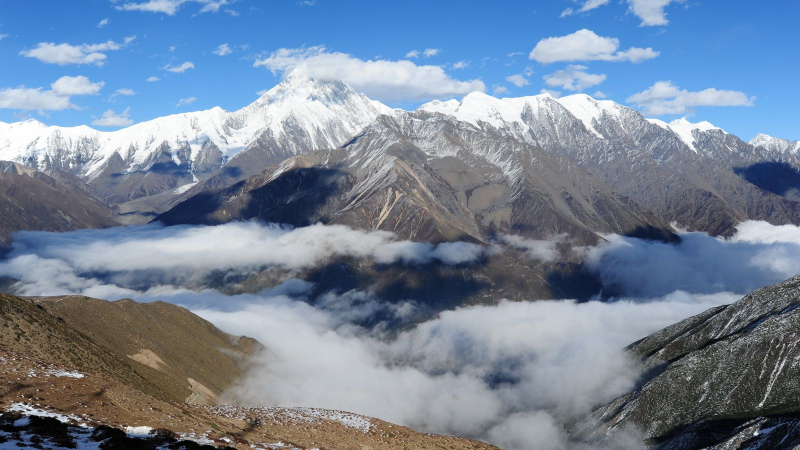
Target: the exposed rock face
(429, 177)
(34, 201)
(173, 152)
(716, 378)
(694, 174)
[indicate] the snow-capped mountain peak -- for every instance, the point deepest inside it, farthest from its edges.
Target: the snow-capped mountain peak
(684, 129)
(775, 144)
(329, 111)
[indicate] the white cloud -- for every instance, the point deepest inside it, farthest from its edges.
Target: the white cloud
(758, 254)
(664, 97)
(599, 94)
(518, 80)
(121, 92)
(111, 119)
(586, 6)
(223, 50)
(307, 2)
(460, 65)
(498, 90)
(557, 360)
(186, 101)
(430, 52)
(552, 93)
(103, 23)
(585, 45)
(64, 54)
(33, 99)
(651, 11)
(236, 247)
(57, 98)
(3, 36)
(179, 69)
(152, 79)
(378, 79)
(413, 54)
(543, 250)
(80, 85)
(171, 7)
(573, 78)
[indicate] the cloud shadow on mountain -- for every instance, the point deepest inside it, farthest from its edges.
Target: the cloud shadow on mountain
(777, 177)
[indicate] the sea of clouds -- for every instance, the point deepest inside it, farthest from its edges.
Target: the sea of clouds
(513, 374)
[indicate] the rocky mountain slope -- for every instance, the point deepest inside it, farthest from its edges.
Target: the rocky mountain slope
(726, 377)
(157, 348)
(694, 174)
(67, 381)
(33, 200)
(172, 153)
(429, 177)
(184, 355)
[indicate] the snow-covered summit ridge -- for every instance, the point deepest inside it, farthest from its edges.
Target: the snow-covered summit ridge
(684, 129)
(498, 112)
(775, 144)
(296, 102)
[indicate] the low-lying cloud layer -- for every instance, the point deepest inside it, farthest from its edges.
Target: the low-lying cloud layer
(110, 262)
(512, 374)
(759, 254)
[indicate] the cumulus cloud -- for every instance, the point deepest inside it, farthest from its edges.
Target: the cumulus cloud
(102, 23)
(112, 119)
(171, 7)
(79, 85)
(600, 94)
(431, 52)
(223, 50)
(65, 54)
(574, 78)
(185, 101)
(152, 79)
(499, 90)
(413, 54)
(518, 80)
(179, 68)
(586, 6)
(585, 45)
(664, 97)
(650, 11)
(378, 79)
(460, 65)
(56, 98)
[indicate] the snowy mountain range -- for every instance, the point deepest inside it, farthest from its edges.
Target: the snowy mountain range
(694, 174)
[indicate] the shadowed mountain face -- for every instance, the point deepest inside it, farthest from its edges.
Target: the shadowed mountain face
(429, 177)
(696, 175)
(725, 377)
(777, 177)
(31, 200)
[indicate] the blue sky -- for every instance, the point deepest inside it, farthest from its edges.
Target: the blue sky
(732, 63)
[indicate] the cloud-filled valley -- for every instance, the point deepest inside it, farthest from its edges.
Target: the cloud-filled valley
(513, 373)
